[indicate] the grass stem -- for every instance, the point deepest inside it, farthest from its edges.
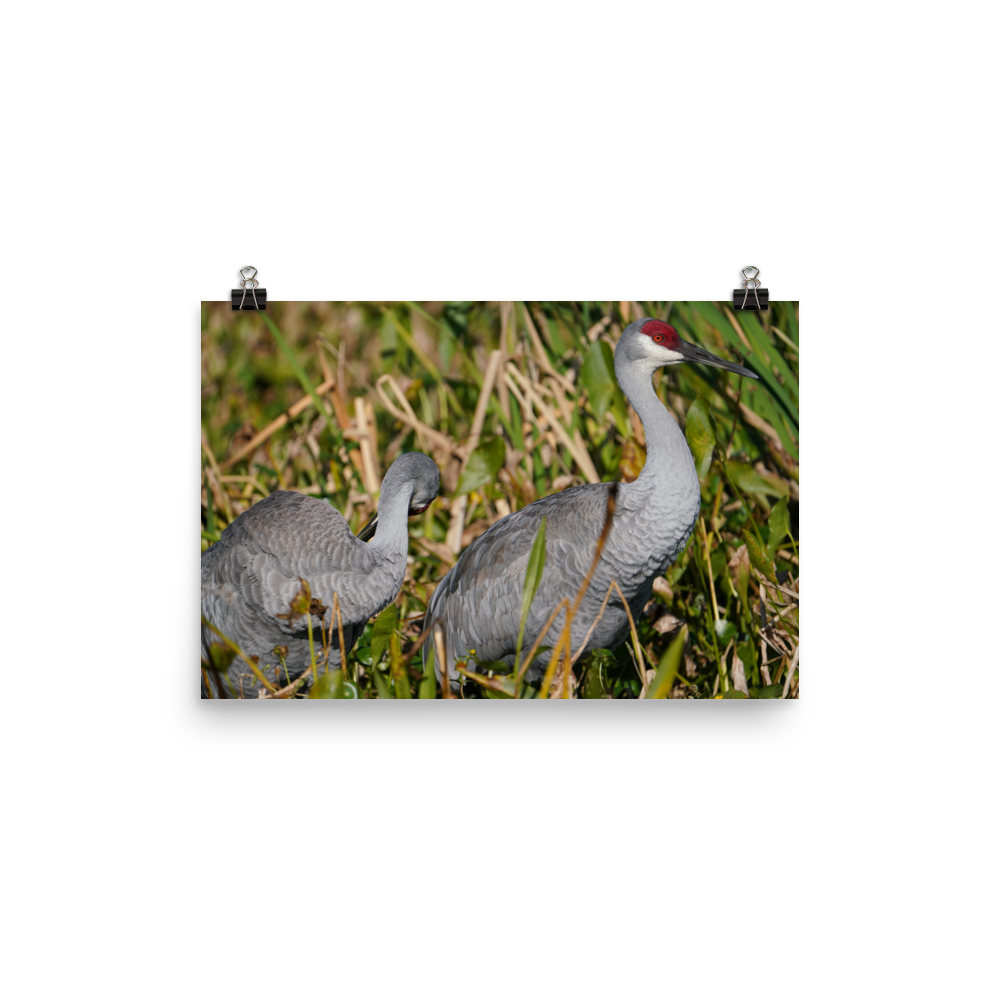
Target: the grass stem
(708, 567)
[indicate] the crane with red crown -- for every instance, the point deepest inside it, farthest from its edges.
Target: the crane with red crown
(478, 604)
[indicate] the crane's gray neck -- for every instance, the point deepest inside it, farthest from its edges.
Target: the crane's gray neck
(668, 458)
(392, 535)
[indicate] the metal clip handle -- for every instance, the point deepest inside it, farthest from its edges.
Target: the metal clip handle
(252, 280)
(747, 278)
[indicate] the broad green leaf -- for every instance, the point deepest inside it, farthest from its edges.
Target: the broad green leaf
(739, 570)
(700, 436)
(732, 693)
(382, 685)
(532, 578)
(598, 377)
(681, 562)
(362, 654)
(328, 685)
(593, 685)
(384, 626)
(778, 526)
(333, 685)
(483, 465)
(747, 652)
(758, 557)
(222, 656)
(491, 666)
(676, 572)
(773, 691)
(758, 485)
(669, 664)
(724, 631)
(718, 563)
(494, 687)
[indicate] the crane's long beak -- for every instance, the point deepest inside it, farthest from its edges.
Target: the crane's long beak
(368, 531)
(692, 352)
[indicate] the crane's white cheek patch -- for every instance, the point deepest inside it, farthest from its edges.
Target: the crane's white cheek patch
(672, 356)
(662, 355)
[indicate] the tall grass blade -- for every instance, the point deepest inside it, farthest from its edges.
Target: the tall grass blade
(777, 525)
(532, 578)
(428, 686)
(758, 557)
(763, 357)
(400, 678)
(381, 685)
(385, 626)
(670, 662)
(773, 356)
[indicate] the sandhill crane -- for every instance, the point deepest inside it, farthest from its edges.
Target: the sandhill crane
(478, 604)
(250, 576)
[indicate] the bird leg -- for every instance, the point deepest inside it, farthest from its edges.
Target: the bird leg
(340, 632)
(439, 648)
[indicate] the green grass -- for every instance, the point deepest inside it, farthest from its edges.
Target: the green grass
(743, 434)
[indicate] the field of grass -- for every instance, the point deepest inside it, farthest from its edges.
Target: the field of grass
(322, 397)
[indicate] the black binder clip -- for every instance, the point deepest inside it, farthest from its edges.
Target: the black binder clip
(258, 296)
(741, 298)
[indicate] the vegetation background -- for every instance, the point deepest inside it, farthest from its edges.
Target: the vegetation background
(516, 401)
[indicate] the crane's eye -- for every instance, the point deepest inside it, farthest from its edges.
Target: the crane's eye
(658, 338)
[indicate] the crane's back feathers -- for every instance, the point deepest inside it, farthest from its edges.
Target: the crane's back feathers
(478, 604)
(252, 573)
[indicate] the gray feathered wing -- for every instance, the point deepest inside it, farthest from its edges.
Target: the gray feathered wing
(479, 601)
(250, 576)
